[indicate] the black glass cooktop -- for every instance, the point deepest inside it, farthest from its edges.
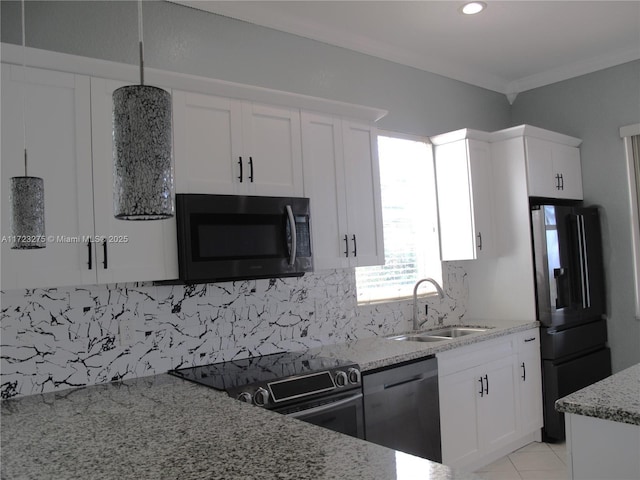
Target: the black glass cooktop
(233, 374)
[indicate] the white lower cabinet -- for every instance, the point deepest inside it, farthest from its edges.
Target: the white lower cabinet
(342, 180)
(529, 380)
(482, 412)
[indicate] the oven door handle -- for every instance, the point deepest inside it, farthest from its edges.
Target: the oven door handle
(324, 408)
(294, 235)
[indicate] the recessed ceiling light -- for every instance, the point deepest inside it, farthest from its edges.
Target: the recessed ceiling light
(472, 8)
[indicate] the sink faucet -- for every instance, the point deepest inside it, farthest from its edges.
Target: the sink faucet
(416, 323)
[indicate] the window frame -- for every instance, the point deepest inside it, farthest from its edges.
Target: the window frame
(427, 290)
(627, 133)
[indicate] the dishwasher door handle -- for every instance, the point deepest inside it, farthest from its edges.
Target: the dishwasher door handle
(416, 378)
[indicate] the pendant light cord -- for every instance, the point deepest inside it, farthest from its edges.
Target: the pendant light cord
(140, 42)
(24, 87)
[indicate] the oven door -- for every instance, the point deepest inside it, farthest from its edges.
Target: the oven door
(342, 413)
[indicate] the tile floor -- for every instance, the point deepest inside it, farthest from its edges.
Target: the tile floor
(546, 461)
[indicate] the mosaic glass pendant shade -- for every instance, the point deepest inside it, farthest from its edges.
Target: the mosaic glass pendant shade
(26, 194)
(27, 213)
(142, 138)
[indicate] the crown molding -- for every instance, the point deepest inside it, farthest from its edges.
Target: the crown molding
(573, 70)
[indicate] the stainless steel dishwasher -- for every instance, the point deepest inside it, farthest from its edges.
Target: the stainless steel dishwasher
(401, 408)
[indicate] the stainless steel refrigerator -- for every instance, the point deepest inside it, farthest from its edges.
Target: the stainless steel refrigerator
(570, 304)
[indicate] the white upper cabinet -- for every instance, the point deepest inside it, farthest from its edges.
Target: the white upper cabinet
(553, 169)
(464, 185)
(324, 184)
(126, 251)
(227, 146)
(233, 140)
(552, 161)
(58, 134)
(341, 177)
(69, 121)
(271, 137)
(364, 201)
(207, 133)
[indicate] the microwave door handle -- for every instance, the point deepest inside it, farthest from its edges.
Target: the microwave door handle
(294, 235)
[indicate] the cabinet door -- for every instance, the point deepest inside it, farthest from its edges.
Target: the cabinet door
(464, 183)
(530, 382)
(566, 161)
(497, 417)
(57, 126)
(482, 187)
(132, 251)
(208, 144)
(459, 394)
(322, 153)
(272, 150)
(364, 204)
(553, 170)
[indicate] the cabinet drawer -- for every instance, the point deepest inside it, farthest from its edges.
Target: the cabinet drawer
(471, 356)
(527, 341)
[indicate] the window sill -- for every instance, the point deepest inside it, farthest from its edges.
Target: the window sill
(381, 301)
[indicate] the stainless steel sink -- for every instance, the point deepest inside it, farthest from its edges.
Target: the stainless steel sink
(418, 338)
(454, 332)
(448, 333)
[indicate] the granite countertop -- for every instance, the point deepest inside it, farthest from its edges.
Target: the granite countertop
(616, 398)
(378, 352)
(163, 427)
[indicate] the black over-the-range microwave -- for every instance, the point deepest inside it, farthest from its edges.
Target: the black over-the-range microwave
(236, 237)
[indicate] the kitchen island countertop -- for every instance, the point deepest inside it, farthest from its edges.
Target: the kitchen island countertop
(162, 427)
(616, 398)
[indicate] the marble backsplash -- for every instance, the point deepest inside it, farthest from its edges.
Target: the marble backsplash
(58, 338)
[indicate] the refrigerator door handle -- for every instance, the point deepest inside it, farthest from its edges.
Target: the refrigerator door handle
(584, 267)
(559, 274)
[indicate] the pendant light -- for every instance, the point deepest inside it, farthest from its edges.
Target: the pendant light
(26, 193)
(143, 178)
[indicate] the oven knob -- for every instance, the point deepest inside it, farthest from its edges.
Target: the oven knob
(261, 397)
(341, 378)
(354, 375)
(245, 397)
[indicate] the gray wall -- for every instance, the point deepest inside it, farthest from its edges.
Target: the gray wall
(593, 107)
(185, 40)
(180, 39)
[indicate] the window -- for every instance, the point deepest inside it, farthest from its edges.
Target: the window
(410, 222)
(631, 136)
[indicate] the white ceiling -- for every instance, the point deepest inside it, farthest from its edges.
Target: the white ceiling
(511, 47)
